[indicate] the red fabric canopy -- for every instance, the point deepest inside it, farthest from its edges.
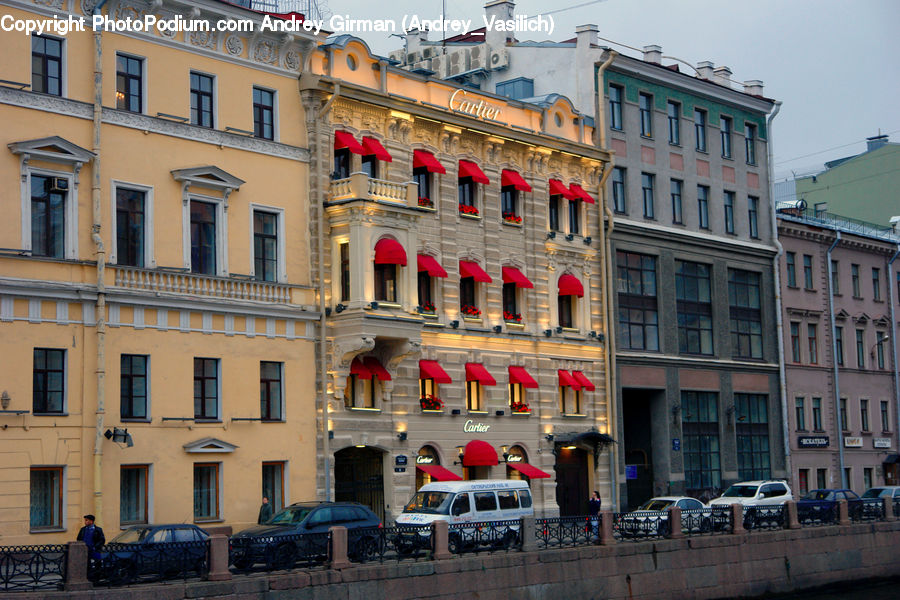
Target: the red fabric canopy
(583, 380)
(469, 169)
(439, 473)
(373, 146)
(477, 372)
(566, 379)
(479, 454)
(528, 470)
(430, 369)
(343, 139)
(578, 191)
(570, 286)
(423, 158)
(359, 369)
(520, 375)
(430, 264)
(510, 177)
(376, 368)
(389, 252)
(513, 275)
(468, 268)
(558, 189)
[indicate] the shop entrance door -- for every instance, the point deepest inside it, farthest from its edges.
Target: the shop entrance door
(572, 482)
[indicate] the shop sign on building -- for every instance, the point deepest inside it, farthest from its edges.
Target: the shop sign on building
(853, 442)
(812, 441)
(881, 443)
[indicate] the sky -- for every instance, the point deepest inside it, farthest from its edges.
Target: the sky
(833, 64)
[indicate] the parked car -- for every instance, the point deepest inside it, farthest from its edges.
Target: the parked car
(279, 542)
(149, 550)
(821, 505)
(652, 517)
(756, 497)
(884, 491)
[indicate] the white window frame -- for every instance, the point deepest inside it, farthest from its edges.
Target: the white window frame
(149, 246)
(70, 243)
(144, 87)
(282, 244)
(221, 232)
(275, 133)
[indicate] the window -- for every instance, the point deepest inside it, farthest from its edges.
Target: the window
(510, 303)
(133, 386)
(847, 473)
(807, 272)
(369, 163)
(795, 342)
(839, 345)
(203, 237)
(800, 411)
(553, 208)
(729, 212)
(575, 217)
(618, 191)
(130, 227)
(864, 414)
(750, 143)
(206, 388)
(860, 348)
(427, 387)
(703, 206)
(46, 498)
(422, 178)
(817, 414)
(273, 484)
(466, 191)
(725, 134)
(835, 278)
(753, 216)
(791, 261)
(345, 271)
(49, 381)
(675, 187)
(876, 284)
(129, 83)
(341, 164)
(270, 391)
(845, 423)
(133, 494)
(516, 395)
(812, 332)
(746, 316)
(426, 304)
(867, 477)
(359, 392)
(473, 396)
(700, 428)
(880, 338)
(700, 130)
(509, 197)
(615, 107)
(263, 113)
(518, 88)
(467, 294)
(803, 481)
(674, 109)
(638, 314)
(201, 100)
(821, 478)
(647, 194)
(694, 303)
(645, 104)
(752, 436)
(265, 245)
(46, 65)
(570, 400)
(566, 311)
(206, 492)
(48, 218)
(854, 278)
(885, 422)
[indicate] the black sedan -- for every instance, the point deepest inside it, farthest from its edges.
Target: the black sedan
(154, 552)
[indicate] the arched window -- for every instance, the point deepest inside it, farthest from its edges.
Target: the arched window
(389, 254)
(427, 456)
(569, 289)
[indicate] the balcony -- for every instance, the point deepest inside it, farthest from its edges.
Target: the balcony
(206, 286)
(360, 186)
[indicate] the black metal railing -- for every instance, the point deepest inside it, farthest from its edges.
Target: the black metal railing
(281, 552)
(484, 536)
(706, 521)
(866, 509)
(641, 525)
(764, 517)
(378, 544)
(124, 564)
(819, 513)
(25, 568)
(559, 532)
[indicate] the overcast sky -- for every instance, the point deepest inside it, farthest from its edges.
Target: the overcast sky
(834, 64)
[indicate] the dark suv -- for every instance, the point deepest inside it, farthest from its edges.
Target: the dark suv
(299, 533)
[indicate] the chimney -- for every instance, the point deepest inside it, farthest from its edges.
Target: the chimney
(653, 54)
(722, 76)
(414, 40)
(705, 69)
(876, 142)
(503, 10)
(754, 87)
(586, 35)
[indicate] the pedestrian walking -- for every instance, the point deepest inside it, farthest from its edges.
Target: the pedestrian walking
(265, 512)
(92, 536)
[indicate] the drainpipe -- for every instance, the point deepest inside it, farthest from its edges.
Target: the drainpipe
(96, 218)
(894, 335)
(837, 386)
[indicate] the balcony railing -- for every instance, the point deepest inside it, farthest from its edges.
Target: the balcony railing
(798, 211)
(361, 186)
(154, 280)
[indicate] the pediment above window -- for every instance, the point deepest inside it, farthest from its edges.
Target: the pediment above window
(842, 315)
(208, 176)
(861, 318)
(209, 445)
(52, 149)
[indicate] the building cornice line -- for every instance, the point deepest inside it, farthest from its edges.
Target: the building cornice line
(682, 361)
(693, 238)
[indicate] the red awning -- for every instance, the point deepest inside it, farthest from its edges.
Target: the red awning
(570, 286)
(583, 380)
(469, 169)
(520, 375)
(430, 264)
(513, 275)
(430, 369)
(558, 189)
(424, 158)
(477, 372)
(510, 177)
(439, 473)
(373, 146)
(343, 139)
(566, 379)
(376, 368)
(389, 252)
(471, 269)
(578, 191)
(528, 471)
(359, 369)
(479, 454)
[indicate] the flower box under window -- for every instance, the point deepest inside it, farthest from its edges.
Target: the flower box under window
(425, 202)
(470, 311)
(427, 308)
(511, 317)
(431, 403)
(512, 218)
(519, 408)
(468, 210)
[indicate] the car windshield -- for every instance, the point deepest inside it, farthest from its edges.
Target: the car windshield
(135, 535)
(655, 504)
(291, 515)
(740, 491)
(819, 495)
(877, 493)
(437, 503)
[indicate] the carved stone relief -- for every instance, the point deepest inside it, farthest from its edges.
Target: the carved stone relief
(234, 45)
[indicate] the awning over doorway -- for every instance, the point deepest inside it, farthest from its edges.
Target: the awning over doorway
(479, 454)
(528, 470)
(439, 473)
(891, 459)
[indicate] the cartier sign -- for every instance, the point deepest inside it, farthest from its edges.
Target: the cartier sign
(479, 109)
(473, 427)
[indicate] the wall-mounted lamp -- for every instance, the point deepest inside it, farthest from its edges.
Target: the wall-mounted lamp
(676, 409)
(549, 437)
(498, 328)
(593, 334)
(330, 434)
(401, 436)
(548, 332)
(373, 305)
(461, 451)
(340, 308)
(570, 237)
(587, 241)
(119, 436)
(4, 400)
(455, 411)
(551, 235)
(499, 413)
(504, 450)
(454, 324)
(878, 341)
(559, 330)
(327, 311)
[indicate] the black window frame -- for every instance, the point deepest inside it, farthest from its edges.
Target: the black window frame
(647, 195)
(466, 193)
(885, 416)
(616, 94)
(341, 164)
(201, 402)
(795, 342)
(839, 345)
(637, 289)
(424, 287)
(800, 413)
(565, 311)
(575, 217)
(745, 308)
(728, 203)
(854, 280)
(48, 218)
(50, 63)
(860, 348)
(645, 108)
(132, 369)
(807, 272)
(204, 259)
(726, 125)
(270, 380)
(835, 278)
(676, 190)
(131, 226)
(695, 317)
(702, 446)
(467, 292)
(263, 113)
(700, 142)
(864, 424)
(553, 212)
(369, 165)
(876, 284)
(753, 216)
(618, 193)
(750, 143)
(387, 282)
(511, 303)
(42, 404)
(812, 342)
(129, 83)
(265, 245)
(842, 414)
(201, 115)
(422, 178)
(703, 206)
(817, 414)
(752, 436)
(673, 115)
(509, 201)
(344, 256)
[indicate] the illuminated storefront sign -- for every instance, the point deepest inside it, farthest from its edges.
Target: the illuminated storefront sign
(473, 427)
(479, 109)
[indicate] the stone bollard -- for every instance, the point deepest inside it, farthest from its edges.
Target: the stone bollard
(843, 513)
(790, 510)
(675, 523)
(737, 518)
(889, 509)
(606, 528)
(76, 567)
(218, 558)
(337, 555)
(528, 533)
(440, 537)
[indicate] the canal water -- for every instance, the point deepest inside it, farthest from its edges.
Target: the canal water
(867, 590)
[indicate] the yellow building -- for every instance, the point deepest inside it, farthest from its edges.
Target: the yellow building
(154, 274)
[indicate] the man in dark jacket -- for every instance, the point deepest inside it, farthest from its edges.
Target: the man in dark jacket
(92, 536)
(265, 512)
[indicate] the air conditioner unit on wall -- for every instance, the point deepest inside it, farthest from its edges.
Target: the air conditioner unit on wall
(499, 59)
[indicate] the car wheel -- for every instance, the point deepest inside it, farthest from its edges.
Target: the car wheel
(283, 557)
(454, 543)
